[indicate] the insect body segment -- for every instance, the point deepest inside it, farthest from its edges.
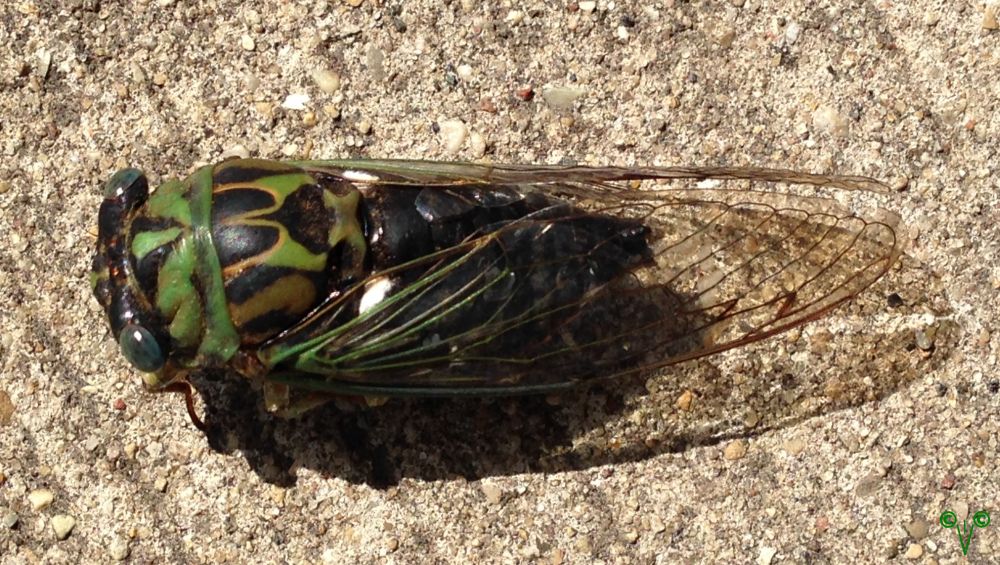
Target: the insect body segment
(228, 257)
(382, 278)
(274, 228)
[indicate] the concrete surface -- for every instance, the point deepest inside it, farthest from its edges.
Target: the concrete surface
(92, 469)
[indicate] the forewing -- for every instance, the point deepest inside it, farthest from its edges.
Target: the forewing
(748, 256)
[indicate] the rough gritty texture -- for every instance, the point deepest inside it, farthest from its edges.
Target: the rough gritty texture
(903, 91)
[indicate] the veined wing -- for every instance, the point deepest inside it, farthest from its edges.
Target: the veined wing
(727, 266)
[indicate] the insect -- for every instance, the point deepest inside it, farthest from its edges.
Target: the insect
(368, 279)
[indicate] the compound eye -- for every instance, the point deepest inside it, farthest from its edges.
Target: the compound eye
(140, 348)
(124, 181)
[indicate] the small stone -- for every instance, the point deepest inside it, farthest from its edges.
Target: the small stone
(309, 119)
(588, 6)
(392, 544)
(526, 93)
(160, 484)
(990, 17)
(925, 339)
(829, 120)
(822, 523)
(918, 529)
(794, 446)
(726, 37)
(6, 408)
(492, 492)
(159, 79)
(453, 134)
(735, 450)
(792, 32)
(557, 557)
(237, 151)
(931, 18)
(477, 143)
(119, 548)
(4, 187)
(40, 498)
(464, 72)
(62, 525)
(915, 551)
(364, 126)
(247, 43)
(656, 525)
(375, 61)
(119, 404)
(8, 518)
(766, 555)
(631, 536)
(487, 105)
(327, 80)
(868, 484)
(295, 102)
(961, 510)
(948, 482)
(899, 182)
(562, 97)
(354, 3)
(684, 401)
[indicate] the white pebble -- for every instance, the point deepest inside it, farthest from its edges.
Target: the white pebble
(295, 102)
(827, 119)
(464, 72)
(453, 134)
(477, 143)
(119, 549)
(40, 498)
(792, 33)
(247, 43)
(766, 555)
(327, 80)
(588, 6)
(236, 151)
(62, 525)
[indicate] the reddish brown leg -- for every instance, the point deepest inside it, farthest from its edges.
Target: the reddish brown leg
(185, 388)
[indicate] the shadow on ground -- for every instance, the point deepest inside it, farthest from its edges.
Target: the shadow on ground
(604, 424)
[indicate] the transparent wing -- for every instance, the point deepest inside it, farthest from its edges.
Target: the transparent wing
(729, 264)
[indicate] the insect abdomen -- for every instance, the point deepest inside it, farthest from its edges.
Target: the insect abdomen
(274, 228)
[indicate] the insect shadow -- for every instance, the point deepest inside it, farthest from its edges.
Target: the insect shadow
(687, 406)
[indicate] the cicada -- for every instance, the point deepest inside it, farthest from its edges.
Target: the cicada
(369, 279)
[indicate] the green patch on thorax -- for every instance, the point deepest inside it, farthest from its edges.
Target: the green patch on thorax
(220, 340)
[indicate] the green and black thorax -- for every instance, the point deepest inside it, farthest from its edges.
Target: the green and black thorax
(226, 258)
